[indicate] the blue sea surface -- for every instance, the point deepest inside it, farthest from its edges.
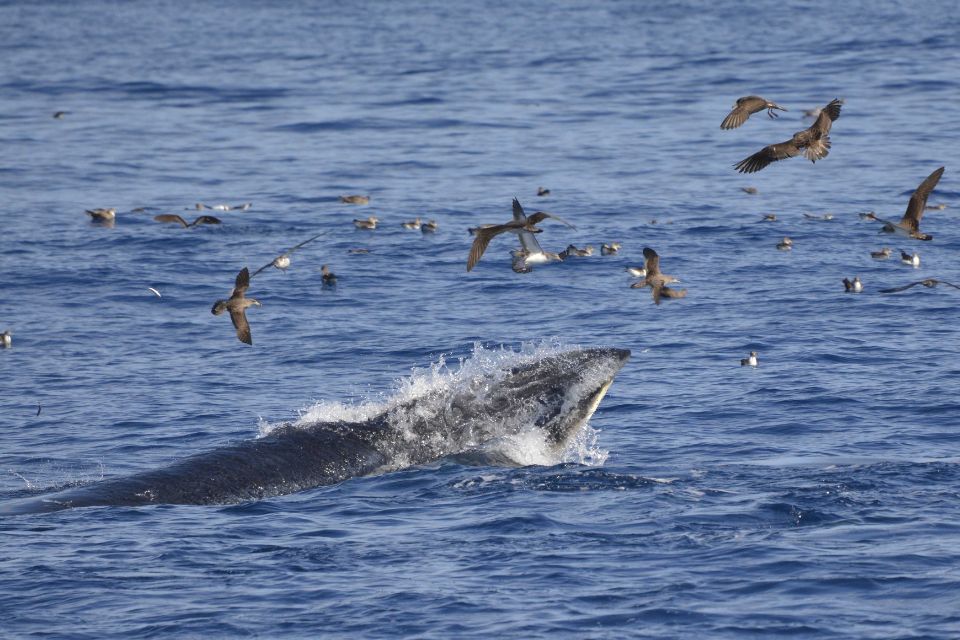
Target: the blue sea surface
(815, 496)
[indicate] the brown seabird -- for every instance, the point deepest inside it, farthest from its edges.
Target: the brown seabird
(572, 250)
(747, 106)
(883, 254)
(750, 361)
(430, 226)
(813, 142)
(237, 305)
(172, 217)
(102, 215)
(912, 259)
(928, 282)
(656, 280)
(328, 277)
(542, 192)
(610, 249)
(786, 244)
(355, 199)
(6, 339)
(283, 260)
(520, 223)
(909, 225)
(369, 223)
(413, 225)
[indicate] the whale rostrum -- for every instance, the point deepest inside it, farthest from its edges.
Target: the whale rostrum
(554, 394)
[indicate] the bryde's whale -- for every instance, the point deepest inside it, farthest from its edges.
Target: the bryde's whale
(552, 394)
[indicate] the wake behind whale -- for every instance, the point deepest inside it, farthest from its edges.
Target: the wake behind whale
(549, 394)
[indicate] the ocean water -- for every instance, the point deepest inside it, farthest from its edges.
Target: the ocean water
(814, 496)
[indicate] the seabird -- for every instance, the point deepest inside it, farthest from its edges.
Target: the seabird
(750, 361)
(637, 272)
(813, 143)
(936, 207)
(909, 225)
(770, 217)
(543, 192)
(883, 254)
(6, 339)
(610, 249)
(358, 250)
(237, 304)
(911, 259)
(750, 190)
(520, 223)
(430, 226)
(572, 250)
(786, 244)
(329, 278)
(355, 199)
(853, 286)
(656, 280)
(369, 223)
(172, 217)
(102, 215)
(747, 106)
(826, 216)
(928, 282)
(283, 260)
(413, 225)
(59, 114)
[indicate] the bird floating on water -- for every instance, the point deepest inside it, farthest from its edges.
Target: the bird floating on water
(911, 259)
(355, 199)
(786, 244)
(430, 226)
(521, 223)
(413, 225)
(813, 142)
(328, 277)
(656, 280)
(747, 106)
(572, 250)
(909, 225)
(750, 190)
(770, 217)
(637, 272)
(826, 216)
(6, 339)
(930, 283)
(58, 115)
(237, 305)
(542, 192)
(367, 223)
(102, 215)
(172, 217)
(853, 286)
(283, 260)
(750, 361)
(882, 254)
(610, 249)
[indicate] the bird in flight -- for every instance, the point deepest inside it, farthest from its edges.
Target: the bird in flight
(172, 217)
(813, 142)
(521, 223)
(237, 305)
(930, 283)
(909, 225)
(747, 106)
(657, 280)
(282, 261)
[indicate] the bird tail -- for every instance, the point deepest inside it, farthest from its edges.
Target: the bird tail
(818, 149)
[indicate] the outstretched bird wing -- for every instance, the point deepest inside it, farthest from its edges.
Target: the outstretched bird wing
(918, 201)
(239, 319)
(518, 213)
(171, 217)
(651, 262)
(770, 153)
(540, 216)
(205, 220)
(481, 241)
(242, 283)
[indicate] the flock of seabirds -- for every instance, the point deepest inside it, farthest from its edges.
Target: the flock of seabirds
(813, 143)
